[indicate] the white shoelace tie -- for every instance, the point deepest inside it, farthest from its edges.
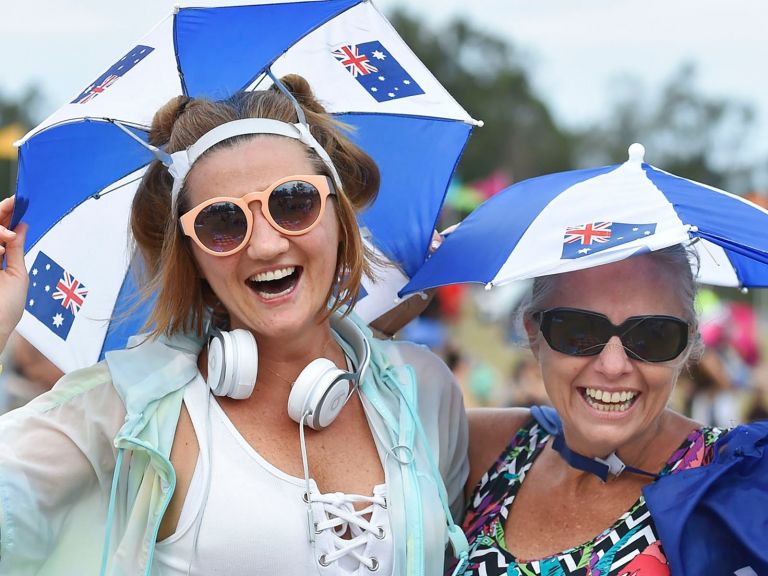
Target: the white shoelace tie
(343, 518)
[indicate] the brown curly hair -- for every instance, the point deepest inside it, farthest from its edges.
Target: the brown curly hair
(168, 268)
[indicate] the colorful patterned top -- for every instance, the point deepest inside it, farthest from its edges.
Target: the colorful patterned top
(630, 547)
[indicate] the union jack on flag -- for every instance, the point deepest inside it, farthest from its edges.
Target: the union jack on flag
(377, 71)
(597, 232)
(71, 292)
(55, 296)
(357, 63)
(117, 70)
(587, 239)
(95, 90)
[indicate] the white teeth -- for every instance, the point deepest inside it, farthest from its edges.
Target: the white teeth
(270, 296)
(272, 274)
(611, 401)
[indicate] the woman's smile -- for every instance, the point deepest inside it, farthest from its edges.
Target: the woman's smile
(273, 284)
(614, 401)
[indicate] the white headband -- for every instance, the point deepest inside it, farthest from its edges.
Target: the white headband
(180, 163)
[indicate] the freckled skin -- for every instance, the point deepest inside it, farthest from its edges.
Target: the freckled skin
(236, 171)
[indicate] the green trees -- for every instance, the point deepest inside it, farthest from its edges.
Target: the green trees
(488, 78)
(17, 115)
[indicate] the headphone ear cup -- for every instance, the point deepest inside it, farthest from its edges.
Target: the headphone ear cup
(318, 392)
(232, 363)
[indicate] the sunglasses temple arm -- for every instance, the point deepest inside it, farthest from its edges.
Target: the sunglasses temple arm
(159, 154)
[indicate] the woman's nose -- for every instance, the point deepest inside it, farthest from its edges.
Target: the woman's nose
(265, 242)
(613, 359)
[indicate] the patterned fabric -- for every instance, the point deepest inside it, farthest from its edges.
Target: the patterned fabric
(630, 547)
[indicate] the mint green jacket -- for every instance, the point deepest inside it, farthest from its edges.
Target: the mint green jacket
(85, 475)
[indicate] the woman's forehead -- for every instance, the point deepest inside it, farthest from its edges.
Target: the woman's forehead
(638, 285)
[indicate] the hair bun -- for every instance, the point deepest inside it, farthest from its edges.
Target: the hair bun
(165, 118)
(299, 87)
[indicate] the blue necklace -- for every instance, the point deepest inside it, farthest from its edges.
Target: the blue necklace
(600, 467)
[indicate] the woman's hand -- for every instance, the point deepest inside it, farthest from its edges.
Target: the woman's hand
(391, 322)
(13, 278)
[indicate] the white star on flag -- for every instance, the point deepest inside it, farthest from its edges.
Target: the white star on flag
(378, 54)
(58, 320)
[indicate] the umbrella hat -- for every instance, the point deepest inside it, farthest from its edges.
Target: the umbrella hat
(79, 170)
(583, 218)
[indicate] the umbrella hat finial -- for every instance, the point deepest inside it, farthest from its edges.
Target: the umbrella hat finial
(636, 153)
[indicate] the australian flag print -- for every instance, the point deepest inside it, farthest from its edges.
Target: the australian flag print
(111, 76)
(594, 237)
(377, 71)
(55, 296)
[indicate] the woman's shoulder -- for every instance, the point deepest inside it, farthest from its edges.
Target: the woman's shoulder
(430, 370)
(490, 432)
(690, 444)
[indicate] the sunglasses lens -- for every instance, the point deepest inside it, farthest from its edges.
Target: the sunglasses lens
(656, 339)
(221, 227)
(584, 333)
(295, 205)
(577, 333)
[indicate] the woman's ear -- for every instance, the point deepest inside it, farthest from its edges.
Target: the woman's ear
(532, 331)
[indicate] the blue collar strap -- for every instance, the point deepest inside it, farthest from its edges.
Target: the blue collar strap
(598, 466)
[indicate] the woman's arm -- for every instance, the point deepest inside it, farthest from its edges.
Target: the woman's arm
(56, 463)
(490, 430)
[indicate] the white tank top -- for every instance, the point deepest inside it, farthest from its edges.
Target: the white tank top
(256, 521)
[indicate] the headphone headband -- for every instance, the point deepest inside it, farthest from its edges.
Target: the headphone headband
(353, 335)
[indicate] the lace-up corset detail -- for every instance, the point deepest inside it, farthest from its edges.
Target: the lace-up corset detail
(350, 541)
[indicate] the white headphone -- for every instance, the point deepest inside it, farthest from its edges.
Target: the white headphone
(320, 391)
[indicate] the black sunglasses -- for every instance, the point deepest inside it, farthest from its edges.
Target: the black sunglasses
(652, 338)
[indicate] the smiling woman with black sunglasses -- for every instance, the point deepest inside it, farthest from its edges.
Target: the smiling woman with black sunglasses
(606, 482)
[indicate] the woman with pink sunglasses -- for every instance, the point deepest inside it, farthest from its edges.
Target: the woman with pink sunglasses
(259, 428)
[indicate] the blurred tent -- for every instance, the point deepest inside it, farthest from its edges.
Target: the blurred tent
(465, 197)
(8, 135)
(759, 199)
(494, 183)
(462, 197)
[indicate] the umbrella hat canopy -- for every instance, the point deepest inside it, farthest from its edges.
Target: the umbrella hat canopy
(79, 171)
(583, 218)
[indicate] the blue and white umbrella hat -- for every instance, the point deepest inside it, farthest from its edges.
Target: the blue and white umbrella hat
(583, 218)
(78, 172)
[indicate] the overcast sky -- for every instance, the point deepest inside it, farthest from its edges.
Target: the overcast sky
(577, 49)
